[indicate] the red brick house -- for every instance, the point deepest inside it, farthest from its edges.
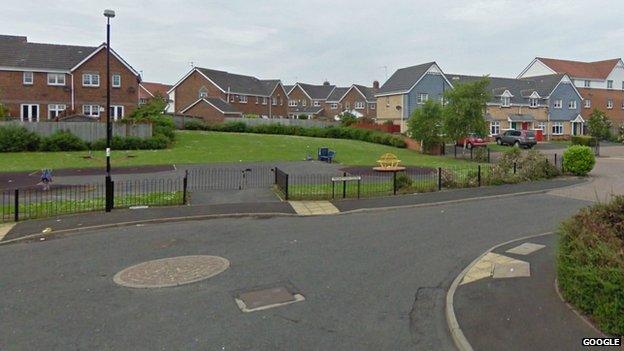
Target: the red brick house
(43, 81)
(358, 100)
(213, 95)
(309, 99)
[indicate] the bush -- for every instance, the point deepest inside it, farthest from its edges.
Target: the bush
(63, 141)
(590, 263)
(195, 124)
(14, 138)
(578, 160)
(403, 181)
(302, 117)
(583, 140)
(530, 166)
(535, 166)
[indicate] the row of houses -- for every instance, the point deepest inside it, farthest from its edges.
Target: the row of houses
(49, 81)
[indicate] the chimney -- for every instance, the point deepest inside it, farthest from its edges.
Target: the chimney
(326, 83)
(376, 85)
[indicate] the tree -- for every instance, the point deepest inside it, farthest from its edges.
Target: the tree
(153, 108)
(465, 109)
(427, 125)
(347, 119)
(599, 125)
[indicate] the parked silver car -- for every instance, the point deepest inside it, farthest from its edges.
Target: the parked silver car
(518, 138)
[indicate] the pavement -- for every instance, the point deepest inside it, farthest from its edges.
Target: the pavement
(520, 312)
(374, 280)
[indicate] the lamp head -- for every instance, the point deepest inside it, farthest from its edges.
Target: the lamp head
(109, 13)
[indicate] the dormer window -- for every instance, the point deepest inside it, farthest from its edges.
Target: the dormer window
(533, 102)
(505, 101)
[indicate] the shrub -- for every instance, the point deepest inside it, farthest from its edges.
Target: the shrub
(534, 166)
(14, 138)
(195, 124)
(480, 154)
(578, 160)
(62, 141)
(347, 119)
(583, 140)
(403, 181)
(590, 263)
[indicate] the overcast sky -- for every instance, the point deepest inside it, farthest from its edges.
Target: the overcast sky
(342, 41)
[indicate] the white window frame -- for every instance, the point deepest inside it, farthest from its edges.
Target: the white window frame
(347, 105)
(505, 101)
(203, 94)
(572, 105)
(534, 103)
(359, 105)
(88, 80)
(115, 115)
(610, 104)
(587, 103)
(264, 100)
(118, 84)
(53, 79)
(316, 103)
(57, 108)
(334, 106)
(494, 127)
(274, 101)
(609, 84)
(557, 128)
(292, 103)
(91, 110)
(587, 83)
(558, 103)
(242, 99)
(372, 105)
(541, 126)
(422, 98)
(30, 117)
(304, 102)
(25, 77)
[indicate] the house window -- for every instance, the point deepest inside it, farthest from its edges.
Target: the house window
(116, 81)
(505, 101)
(359, 105)
(572, 105)
(274, 101)
(56, 79)
(372, 106)
(91, 110)
(494, 128)
(334, 106)
(609, 84)
(264, 100)
(587, 84)
(541, 126)
(610, 104)
(558, 103)
(28, 78)
(292, 103)
(257, 100)
(304, 103)
(90, 80)
(347, 105)
(30, 112)
(242, 99)
(203, 94)
(317, 103)
(533, 103)
(422, 97)
(116, 112)
(54, 110)
(557, 128)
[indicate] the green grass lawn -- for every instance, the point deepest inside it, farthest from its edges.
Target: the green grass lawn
(213, 147)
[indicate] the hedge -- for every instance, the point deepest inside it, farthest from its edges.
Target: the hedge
(367, 135)
(590, 263)
(583, 140)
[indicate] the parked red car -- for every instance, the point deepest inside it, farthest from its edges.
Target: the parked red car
(471, 141)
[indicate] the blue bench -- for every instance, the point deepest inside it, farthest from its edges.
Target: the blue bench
(326, 155)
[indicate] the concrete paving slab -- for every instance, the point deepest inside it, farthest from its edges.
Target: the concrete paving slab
(309, 208)
(525, 249)
(511, 270)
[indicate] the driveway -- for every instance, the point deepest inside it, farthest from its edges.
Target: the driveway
(371, 281)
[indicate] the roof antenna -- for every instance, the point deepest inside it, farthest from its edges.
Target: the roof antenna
(192, 64)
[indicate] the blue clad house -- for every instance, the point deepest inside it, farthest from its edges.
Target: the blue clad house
(407, 89)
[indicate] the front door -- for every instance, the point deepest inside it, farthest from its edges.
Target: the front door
(30, 113)
(525, 125)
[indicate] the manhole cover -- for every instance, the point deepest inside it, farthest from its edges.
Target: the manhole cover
(171, 271)
(266, 298)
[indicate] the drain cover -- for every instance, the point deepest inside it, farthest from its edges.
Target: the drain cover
(266, 298)
(171, 271)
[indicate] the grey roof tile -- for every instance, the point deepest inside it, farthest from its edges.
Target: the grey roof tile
(16, 51)
(236, 83)
(337, 94)
(222, 105)
(317, 92)
(403, 79)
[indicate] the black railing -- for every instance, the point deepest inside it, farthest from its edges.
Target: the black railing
(38, 202)
(202, 179)
(281, 182)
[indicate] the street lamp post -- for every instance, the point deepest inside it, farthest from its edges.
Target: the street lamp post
(109, 184)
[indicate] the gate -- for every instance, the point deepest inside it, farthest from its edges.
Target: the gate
(204, 179)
